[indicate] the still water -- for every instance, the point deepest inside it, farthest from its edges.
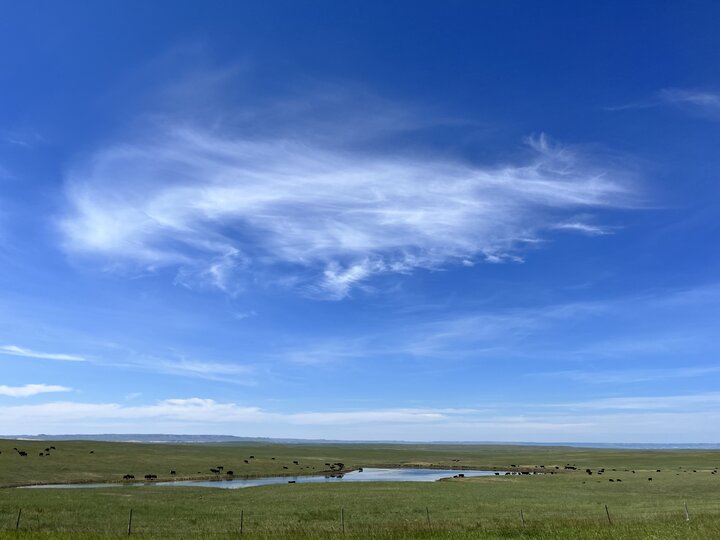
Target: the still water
(366, 475)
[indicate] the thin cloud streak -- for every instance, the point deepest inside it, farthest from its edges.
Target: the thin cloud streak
(31, 390)
(224, 210)
(14, 350)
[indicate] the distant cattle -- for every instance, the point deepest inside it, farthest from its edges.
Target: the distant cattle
(272, 458)
(230, 473)
(172, 473)
(291, 481)
(22, 453)
(650, 479)
(216, 471)
(296, 463)
(129, 477)
(220, 467)
(252, 457)
(246, 461)
(284, 467)
(52, 448)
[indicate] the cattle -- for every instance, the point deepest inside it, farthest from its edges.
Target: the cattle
(172, 473)
(129, 477)
(497, 474)
(284, 467)
(230, 473)
(296, 463)
(47, 449)
(618, 480)
(252, 457)
(658, 470)
(569, 468)
(650, 479)
(41, 454)
(611, 480)
(272, 458)
(92, 451)
(52, 448)
(216, 471)
(291, 481)
(246, 461)
(22, 453)
(588, 471)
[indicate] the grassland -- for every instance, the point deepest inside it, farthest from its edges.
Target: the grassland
(567, 504)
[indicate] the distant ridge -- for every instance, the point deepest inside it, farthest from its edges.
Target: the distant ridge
(200, 439)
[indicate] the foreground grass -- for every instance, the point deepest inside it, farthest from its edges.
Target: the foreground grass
(564, 505)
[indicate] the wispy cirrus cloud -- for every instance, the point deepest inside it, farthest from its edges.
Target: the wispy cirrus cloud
(31, 390)
(14, 350)
(698, 101)
(224, 209)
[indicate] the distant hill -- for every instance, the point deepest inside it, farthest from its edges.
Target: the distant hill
(205, 439)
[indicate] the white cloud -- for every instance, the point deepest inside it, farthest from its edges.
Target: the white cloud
(13, 350)
(225, 209)
(679, 419)
(31, 390)
(700, 99)
(703, 102)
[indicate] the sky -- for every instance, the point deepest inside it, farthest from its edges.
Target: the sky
(419, 221)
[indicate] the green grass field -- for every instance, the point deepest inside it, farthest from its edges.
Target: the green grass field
(568, 504)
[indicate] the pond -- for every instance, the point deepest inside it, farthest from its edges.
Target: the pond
(365, 475)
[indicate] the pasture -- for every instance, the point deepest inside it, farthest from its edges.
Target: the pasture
(566, 504)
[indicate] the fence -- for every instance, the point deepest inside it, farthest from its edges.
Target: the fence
(338, 521)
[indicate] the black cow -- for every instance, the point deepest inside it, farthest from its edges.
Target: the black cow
(230, 473)
(172, 473)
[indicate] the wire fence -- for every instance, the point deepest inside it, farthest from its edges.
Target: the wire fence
(146, 521)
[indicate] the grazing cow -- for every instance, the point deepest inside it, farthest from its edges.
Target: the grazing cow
(41, 454)
(216, 471)
(47, 449)
(148, 477)
(52, 448)
(284, 467)
(246, 461)
(291, 481)
(172, 473)
(618, 480)
(650, 479)
(128, 477)
(22, 453)
(296, 463)
(252, 457)
(611, 480)
(92, 451)
(658, 470)
(272, 458)
(230, 473)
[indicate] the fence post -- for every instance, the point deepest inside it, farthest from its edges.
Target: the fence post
(522, 517)
(17, 523)
(342, 519)
(687, 514)
(130, 523)
(427, 514)
(608, 514)
(241, 521)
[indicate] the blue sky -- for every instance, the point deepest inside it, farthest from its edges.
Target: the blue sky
(361, 220)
